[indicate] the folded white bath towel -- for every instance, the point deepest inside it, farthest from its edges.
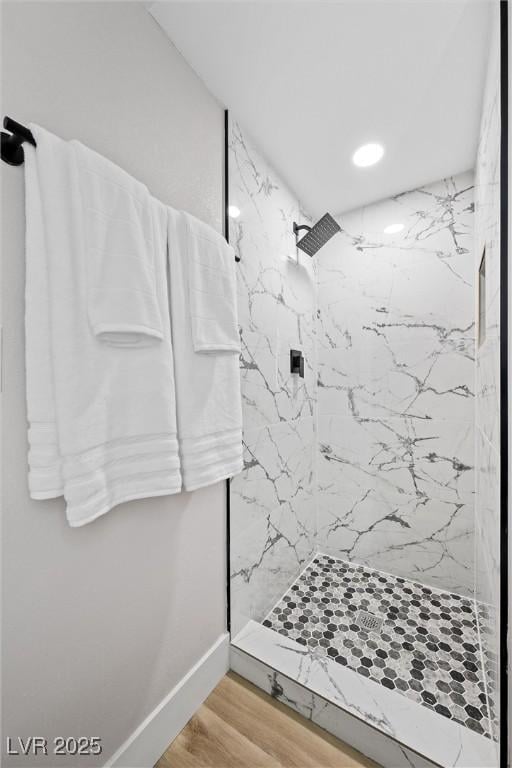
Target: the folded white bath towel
(208, 381)
(100, 380)
(212, 288)
(120, 252)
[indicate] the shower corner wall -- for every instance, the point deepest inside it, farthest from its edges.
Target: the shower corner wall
(273, 501)
(396, 388)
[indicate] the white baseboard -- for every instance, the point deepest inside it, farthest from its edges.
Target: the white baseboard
(143, 748)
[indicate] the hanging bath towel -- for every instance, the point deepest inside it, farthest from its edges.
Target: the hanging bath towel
(206, 348)
(100, 377)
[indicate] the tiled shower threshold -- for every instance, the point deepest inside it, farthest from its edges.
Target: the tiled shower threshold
(406, 704)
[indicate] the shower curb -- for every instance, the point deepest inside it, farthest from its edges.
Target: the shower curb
(363, 737)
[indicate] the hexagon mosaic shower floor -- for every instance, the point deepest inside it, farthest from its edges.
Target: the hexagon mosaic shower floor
(426, 649)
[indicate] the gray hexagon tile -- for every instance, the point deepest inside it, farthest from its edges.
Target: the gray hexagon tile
(427, 646)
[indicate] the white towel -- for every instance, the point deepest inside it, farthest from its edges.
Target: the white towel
(102, 426)
(208, 391)
(212, 289)
(45, 470)
(120, 252)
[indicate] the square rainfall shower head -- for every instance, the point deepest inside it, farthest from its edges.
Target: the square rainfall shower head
(318, 235)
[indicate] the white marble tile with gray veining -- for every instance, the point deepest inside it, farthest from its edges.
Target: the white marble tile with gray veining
(273, 519)
(276, 294)
(273, 515)
(396, 387)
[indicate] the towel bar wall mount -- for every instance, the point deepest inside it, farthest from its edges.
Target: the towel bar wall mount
(12, 142)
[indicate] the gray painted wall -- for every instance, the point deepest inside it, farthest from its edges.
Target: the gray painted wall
(100, 622)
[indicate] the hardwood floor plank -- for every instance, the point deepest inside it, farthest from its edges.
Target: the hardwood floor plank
(239, 726)
(293, 740)
(213, 742)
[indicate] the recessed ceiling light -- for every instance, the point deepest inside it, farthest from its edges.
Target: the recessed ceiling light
(233, 211)
(368, 154)
(392, 229)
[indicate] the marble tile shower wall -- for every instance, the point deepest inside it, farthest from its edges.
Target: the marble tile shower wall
(396, 387)
(273, 500)
(487, 236)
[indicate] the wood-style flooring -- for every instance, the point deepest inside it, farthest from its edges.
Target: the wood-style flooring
(239, 726)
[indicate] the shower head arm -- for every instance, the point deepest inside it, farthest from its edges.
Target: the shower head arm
(297, 228)
(317, 235)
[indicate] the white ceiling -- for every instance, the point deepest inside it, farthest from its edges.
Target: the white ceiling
(311, 81)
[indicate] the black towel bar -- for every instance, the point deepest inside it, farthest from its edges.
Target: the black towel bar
(12, 142)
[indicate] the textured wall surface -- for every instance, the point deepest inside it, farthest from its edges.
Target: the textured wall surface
(272, 501)
(101, 622)
(396, 387)
(487, 236)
